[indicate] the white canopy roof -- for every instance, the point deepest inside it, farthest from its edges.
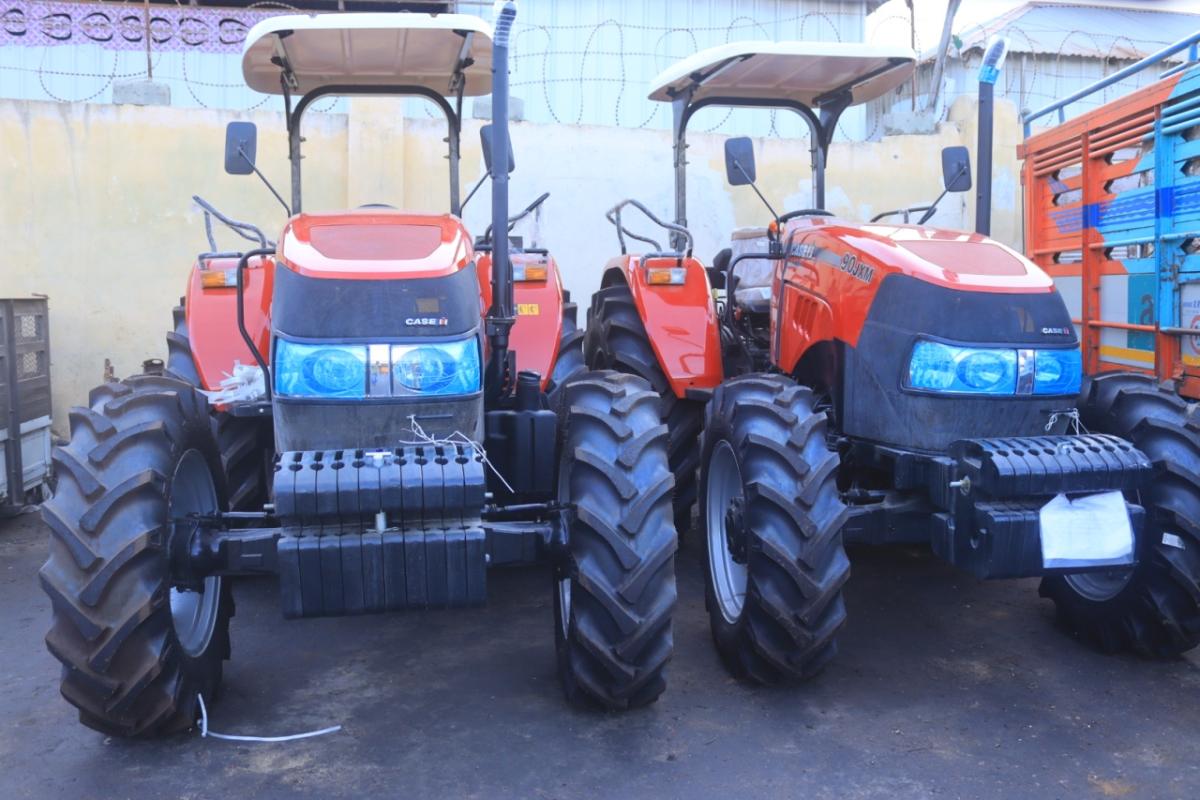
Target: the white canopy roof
(369, 50)
(798, 71)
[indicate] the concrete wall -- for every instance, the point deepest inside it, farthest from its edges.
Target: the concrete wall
(96, 212)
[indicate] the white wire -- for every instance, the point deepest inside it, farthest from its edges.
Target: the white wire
(206, 733)
(458, 437)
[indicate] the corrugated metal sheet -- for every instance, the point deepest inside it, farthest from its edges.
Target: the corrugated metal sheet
(1054, 50)
(586, 62)
(1028, 80)
(1082, 30)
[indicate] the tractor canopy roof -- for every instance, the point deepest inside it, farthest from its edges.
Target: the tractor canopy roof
(431, 51)
(809, 73)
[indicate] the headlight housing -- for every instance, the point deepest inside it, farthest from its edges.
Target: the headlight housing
(320, 370)
(960, 369)
(358, 371)
(436, 368)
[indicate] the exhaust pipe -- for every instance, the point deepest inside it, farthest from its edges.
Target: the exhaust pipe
(989, 71)
(500, 317)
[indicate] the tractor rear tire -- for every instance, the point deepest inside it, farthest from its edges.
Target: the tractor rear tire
(569, 361)
(614, 592)
(616, 339)
(243, 448)
(135, 651)
(769, 499)
(1154, 609)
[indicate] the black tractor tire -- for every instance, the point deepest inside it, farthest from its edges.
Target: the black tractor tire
(125, 666)
(614, 590)
(1156, 613)
(243, 441)
(789, 529)
(616, 339)
(569, 361)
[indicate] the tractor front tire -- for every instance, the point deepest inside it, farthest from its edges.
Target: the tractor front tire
(616, 339)
(772, 519)
(135, 650)
(614, 591)
(243, 449)
(1154, 608)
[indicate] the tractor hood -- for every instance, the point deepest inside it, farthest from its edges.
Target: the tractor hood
(375, 244)
(953, 259)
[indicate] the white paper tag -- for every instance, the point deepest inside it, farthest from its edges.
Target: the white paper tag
(1090, 531)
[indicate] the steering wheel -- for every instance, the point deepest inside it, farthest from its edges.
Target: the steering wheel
(805, 212)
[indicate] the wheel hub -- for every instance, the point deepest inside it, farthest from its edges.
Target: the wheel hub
(724, 517)
(735, 529)
(194, 610)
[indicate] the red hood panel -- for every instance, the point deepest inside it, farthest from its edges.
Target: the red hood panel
(375, 245)
(953, 259)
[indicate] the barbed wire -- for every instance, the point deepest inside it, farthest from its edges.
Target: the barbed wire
(606, 59)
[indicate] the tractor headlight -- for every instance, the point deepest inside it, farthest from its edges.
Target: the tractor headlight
(941, 367)
(1058, 371)
(436, 368)
(320, 370)
(341, 371)
(957, 369)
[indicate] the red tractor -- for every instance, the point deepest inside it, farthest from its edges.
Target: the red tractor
(883, 382)
(402, 432)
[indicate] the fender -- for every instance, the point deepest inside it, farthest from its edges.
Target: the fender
(536, 335)
(212, 318)
(681, 321)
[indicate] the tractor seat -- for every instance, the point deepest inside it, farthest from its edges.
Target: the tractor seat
(754, 275)
(755, 300)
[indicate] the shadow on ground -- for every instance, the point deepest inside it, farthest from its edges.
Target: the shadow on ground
(945, 686)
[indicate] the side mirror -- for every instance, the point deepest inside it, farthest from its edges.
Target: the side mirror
(241, 147)
(739, 161)
(485, 138)
(956, 169)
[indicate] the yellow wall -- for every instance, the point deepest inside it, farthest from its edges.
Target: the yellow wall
(95, 208)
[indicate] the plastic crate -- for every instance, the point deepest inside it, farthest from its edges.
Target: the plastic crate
(24, 399)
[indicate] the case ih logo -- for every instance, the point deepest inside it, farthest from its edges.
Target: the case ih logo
(426, 322)
(1056, 331)
(855, 268)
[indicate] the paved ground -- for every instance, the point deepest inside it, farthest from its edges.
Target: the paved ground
(945, 687)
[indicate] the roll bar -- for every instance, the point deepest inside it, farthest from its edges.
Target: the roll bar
(453, 121)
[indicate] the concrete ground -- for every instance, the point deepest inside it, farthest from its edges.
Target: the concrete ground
(945, 686)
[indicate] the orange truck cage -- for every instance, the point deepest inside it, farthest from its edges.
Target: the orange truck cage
(1112, 213)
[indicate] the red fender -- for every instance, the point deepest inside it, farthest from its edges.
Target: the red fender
(536, 334)
(680, 321)
(212, 318)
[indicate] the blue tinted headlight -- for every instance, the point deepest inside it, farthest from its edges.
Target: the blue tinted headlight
(436, 368)
(1058, 371)
(320, 370)
(941, 367)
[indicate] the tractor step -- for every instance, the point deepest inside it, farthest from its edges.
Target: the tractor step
(363, 573)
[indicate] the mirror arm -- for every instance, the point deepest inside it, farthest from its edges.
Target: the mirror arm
(933, 206)
(745, 174)
(474, 189)
(263, 178)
